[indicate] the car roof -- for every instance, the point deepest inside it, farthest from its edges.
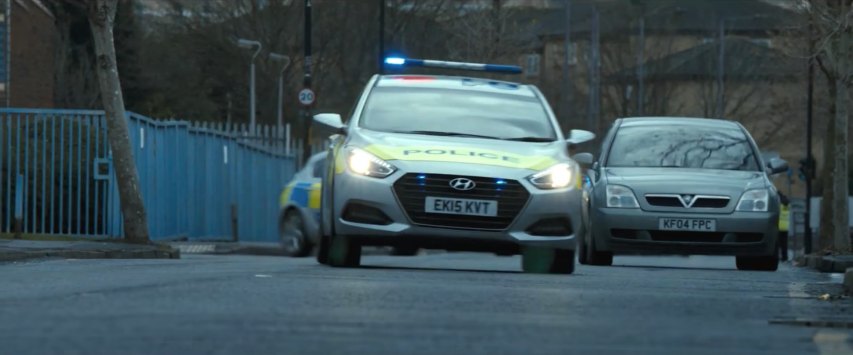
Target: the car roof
(456, 83)
(681, 121)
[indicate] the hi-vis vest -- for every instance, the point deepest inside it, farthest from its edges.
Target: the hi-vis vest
(784, 218)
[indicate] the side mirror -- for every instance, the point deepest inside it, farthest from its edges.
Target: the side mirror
(583, 158)
(776, 166)
(578, 136)
(331, 122)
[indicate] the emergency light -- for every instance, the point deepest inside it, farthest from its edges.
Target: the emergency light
(429, 63)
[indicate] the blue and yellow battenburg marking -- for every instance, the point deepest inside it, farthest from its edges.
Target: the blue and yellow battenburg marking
(302, 194)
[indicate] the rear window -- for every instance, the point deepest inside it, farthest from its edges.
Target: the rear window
(682, 146)
(394, 109)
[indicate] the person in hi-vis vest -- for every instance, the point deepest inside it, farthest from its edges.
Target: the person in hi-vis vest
(784, 221)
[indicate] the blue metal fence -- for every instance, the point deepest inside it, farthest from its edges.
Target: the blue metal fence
(191, 176)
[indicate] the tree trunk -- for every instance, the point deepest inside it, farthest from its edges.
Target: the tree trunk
(840, 219)
(101, 19)
(827, 227)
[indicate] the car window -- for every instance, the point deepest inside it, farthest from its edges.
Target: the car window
(682, 146)
(456, 111)
(319, 167)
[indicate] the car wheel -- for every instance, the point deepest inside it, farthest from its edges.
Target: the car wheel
(292, 235)
(582, 247)
(757, 263)
(538, 260)
(323, 250)
(404, 251)
(594, 257)
(344, 252)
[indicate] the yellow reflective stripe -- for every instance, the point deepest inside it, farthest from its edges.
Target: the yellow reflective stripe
(285, 194)
(461, 155)
(314, 196)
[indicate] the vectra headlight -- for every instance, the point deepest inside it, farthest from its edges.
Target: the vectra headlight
(619, 196)
(754, 201)
(364, 163)
(556, 177)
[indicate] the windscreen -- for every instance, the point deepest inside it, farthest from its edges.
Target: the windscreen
(463, 112)
(682, 146)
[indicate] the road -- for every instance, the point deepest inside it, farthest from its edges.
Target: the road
(455, 303)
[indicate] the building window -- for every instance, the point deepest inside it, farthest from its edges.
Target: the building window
(532, 64)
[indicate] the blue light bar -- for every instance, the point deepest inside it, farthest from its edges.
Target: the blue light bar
(429, 63)
(395, 61)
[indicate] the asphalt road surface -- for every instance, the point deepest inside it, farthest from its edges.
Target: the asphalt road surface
(455, 303)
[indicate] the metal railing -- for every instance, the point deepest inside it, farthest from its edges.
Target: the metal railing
(198, 181)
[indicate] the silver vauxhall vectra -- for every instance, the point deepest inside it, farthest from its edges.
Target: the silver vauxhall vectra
(681, 186)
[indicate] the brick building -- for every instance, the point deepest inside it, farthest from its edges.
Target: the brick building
(27, 54)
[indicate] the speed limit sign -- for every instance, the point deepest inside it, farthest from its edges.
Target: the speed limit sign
(307, 97)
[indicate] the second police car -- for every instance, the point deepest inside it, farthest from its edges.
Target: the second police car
(452, 163)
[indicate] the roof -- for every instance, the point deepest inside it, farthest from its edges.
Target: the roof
(743, 59)
(619, 17)
(682, 121)
(455, 83)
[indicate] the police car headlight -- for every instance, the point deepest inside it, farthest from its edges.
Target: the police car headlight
(556, 177)
(364, 163)
(754, 201)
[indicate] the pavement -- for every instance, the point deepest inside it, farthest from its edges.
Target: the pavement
(449, 303)
(16, 250)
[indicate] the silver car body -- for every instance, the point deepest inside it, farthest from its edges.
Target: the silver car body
(438, 159)
(679, 193)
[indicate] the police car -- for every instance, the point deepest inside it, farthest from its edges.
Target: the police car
(300, 208)
(453, 163)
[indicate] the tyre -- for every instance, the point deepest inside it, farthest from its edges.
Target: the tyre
(344, 252)
(582, 247)
(323, 250)
(594, 257)
(539, 260)
(404, 251)
(757, 263)
(292, 235)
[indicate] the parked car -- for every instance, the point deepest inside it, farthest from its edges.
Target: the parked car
(681, 186)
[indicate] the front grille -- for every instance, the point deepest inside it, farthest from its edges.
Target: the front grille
(412, 190)
(675, 201)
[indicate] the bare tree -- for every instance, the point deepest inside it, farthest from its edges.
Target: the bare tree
(101, 19)
(832, 23)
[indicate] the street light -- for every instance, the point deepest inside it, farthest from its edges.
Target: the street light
(285, 60)
(721, 68)
(249, 44)
(641, 60)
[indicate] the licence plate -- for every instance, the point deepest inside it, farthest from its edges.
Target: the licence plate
(461, 206)
(687, 224)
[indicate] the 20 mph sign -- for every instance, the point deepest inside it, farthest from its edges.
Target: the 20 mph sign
(307, 97)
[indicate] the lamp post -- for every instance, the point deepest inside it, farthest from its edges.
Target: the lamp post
(721, 67)
(249, 44)
(285, 60)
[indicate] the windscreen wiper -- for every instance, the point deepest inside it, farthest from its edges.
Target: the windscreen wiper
(530, 139)
(447, 134)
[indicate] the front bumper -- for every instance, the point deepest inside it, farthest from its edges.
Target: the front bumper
(379, 194)
(637, 231)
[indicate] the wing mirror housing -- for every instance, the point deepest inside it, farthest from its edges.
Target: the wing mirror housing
(578, 136)
(583, 158)
(776, 166)
(330, 122)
